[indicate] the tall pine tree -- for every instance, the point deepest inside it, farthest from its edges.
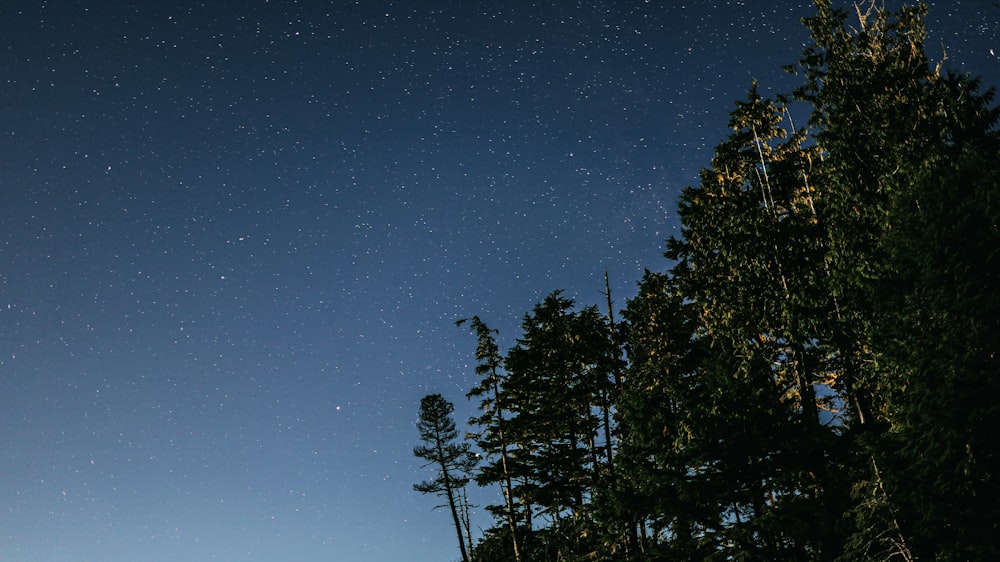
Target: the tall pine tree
(492, 436)
(911, 213)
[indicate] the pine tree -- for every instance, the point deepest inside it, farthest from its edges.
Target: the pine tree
(815, 378)
(942, 339)
(911, 214)
(559, 374)
(452, 460)
(492, 438)
(657, 491)
(750, 260)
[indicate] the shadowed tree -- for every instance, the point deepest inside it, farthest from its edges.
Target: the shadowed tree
(559, 377)
(452, 460)
(492, 438)
(749, 267)
(815, 378)
(911, 212)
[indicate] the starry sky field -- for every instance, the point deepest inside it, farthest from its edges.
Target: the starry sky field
(235, 237)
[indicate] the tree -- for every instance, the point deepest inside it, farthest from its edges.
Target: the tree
(942, 340)
(910, 211)
(558, 372)
(546, 430)
(492, 438)
(749, 263)
(815, 378)
(657, 490)
(453, 461)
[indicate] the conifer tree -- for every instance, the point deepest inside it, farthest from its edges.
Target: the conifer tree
(656, 491)
(749, 260)
(558, 375)
(815, 377)
(911, 156)
(492, 438)
(452, 460)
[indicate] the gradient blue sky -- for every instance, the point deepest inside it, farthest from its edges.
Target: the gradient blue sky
(235, 235)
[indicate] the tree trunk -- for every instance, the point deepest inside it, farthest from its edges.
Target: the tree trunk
(449, 490)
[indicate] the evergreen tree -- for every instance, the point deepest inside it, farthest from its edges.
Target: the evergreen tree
(942, 340)
(559, 375)
(492, 438)
(452, 460)
(911, 217)
(815, 377)
(657, 491)
(750, 261)
(552, 386)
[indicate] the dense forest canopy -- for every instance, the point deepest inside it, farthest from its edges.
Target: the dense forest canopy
(815, 375)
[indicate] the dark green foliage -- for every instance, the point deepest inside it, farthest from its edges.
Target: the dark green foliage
(558, 372)
(816, 376)
(911, 215)
(939, 331)
(750, 266)
(659, 490)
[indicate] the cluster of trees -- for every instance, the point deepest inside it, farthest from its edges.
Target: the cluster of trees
(816, 375)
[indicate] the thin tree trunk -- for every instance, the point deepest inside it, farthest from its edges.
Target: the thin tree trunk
(508, 488)
(449, 489)
(900, 542)
(605, 398)
(466, 521)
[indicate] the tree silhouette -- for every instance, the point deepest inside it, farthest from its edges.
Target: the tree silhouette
(814, 378)
(492, 438)
(453, 461)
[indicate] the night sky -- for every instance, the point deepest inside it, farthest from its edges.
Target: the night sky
(235, 237)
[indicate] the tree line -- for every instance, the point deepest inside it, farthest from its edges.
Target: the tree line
(815, 376)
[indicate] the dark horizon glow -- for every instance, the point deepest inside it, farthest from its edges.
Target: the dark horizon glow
(235, 237)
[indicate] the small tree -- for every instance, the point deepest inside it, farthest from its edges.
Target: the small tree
(452, 460)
